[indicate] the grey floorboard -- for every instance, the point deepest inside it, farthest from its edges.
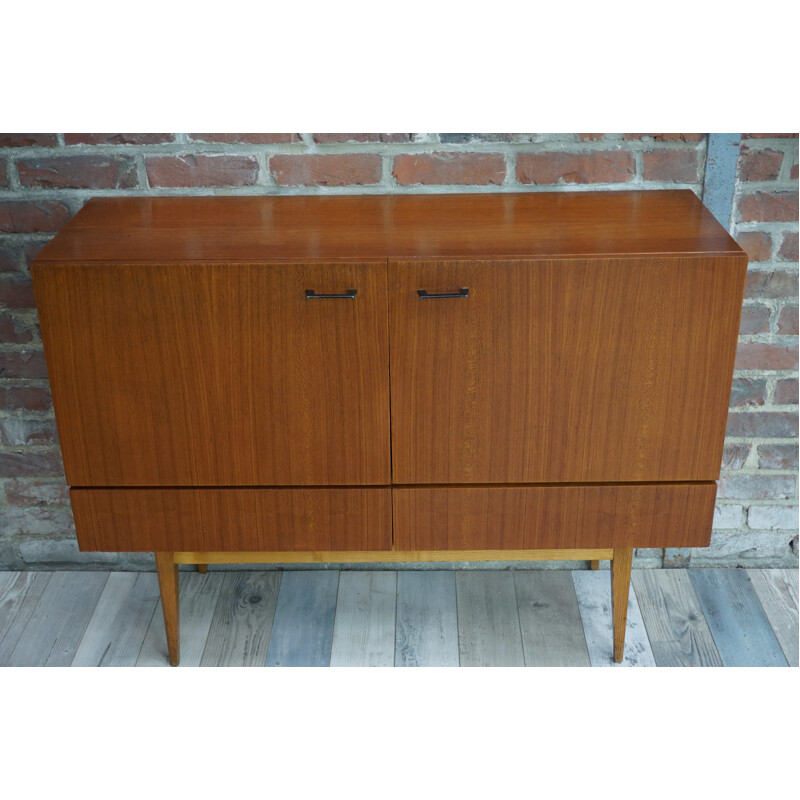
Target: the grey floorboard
(488, 621)
(676, 627)
(199, 596)
(18, 599)
(116, 630)
(550, 620)
(427, 619)
(56, 626)
(363, 630)
(777, 591)
(243, 620)
(593, 588)
(741, 631)
(303, 627)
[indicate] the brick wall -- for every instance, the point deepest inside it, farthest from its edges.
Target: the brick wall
(45, 178)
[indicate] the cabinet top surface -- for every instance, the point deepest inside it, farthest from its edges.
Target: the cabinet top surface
(376, 227)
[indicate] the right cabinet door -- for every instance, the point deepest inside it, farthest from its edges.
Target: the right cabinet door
(571, 370)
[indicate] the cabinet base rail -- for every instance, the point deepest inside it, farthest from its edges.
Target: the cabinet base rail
(168, 578)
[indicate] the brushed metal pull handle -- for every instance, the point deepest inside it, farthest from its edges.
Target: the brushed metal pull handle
(425, 295)
(348, 295)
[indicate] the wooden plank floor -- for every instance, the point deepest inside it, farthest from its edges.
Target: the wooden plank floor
(687, 618)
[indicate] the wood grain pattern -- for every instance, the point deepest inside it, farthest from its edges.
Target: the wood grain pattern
(488, 621)
(549, 619)
(119, 623)
(232, 519)
(363, 630)
(304, 617)
(777, 591)
(427, 619)
(240, 631)
(169, 587)
(585, 370)
(514, 225)
(199, 595)
(593, 589)
(56, 626)
(218, 374)
(620, 590)
(550, 517)
(18, 599)
(676, 627)
(741, 631)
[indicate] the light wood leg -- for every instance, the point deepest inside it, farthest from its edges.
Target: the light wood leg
(170, 603)
(620, 587)
(594, 564)
(202, 568)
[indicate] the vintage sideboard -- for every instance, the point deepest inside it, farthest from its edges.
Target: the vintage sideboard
(439, 377)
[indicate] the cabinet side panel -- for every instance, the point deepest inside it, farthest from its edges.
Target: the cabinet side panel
(126, 520)
(553, 517)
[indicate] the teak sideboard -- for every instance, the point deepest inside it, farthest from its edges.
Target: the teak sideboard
(391, 378)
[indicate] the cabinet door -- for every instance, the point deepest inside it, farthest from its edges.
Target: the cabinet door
(580, 370)
(218, 374)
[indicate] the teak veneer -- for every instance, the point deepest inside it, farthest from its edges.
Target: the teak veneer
(391, 378)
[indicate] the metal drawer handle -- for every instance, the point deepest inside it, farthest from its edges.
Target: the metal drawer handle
(348, 295)
(424, 295)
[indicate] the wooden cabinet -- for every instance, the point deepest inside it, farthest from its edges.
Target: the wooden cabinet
(438, 377)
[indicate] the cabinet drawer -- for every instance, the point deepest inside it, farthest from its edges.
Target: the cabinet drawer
(233, 519)
(552, 517)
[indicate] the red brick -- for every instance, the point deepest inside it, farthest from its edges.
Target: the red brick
(786, 392)
(761, 355)
(201, 170)
(667, 137)
(14, 331)
(32, 216)
(787, 321)
(326, 170)
(759, 165)
(22, 364)
(37, 493)
(748, 392)
(29, 398)
(670, 165)
(15, 431)
(771, 283)
(769, 135)
(769, 207)
(247, 138)
(16, 291)
(30, 464)
(777, 456)
(118, 138)
(757, 487)
(763, 424)
(756, 244)
(3, 173)
(590, 137)
(461, 169)
(79, 172)
(28, 140)
(345, 138)
(734, 455)
(598, 166)
(755, 319)
(793, 172)
(788, 251)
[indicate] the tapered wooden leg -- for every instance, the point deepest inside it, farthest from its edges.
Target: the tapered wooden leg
(202, 568)
(594, 564)
(620, 587)
(170, 603)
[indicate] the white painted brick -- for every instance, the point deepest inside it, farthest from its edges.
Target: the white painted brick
(727, 517)
(783, 518)
(743, 546)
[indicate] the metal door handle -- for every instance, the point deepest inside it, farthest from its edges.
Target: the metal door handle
(425, 295)
(348, 295)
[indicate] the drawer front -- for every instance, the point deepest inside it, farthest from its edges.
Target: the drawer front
(218, 374)
(573, 371)
(128, 520)
(553, 517)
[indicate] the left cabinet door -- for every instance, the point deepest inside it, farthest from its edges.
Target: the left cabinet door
(218, 374)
